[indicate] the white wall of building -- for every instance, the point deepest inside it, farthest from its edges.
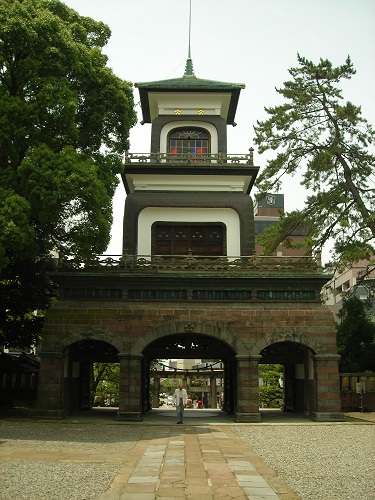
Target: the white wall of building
(227, 216)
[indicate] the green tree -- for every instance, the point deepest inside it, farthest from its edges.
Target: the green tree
(270, 392)
(64, 126)
(105, 384)
(355, 336)
(327, 141)
(170, 383)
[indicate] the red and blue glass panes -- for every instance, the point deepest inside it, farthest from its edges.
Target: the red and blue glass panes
(189, 141)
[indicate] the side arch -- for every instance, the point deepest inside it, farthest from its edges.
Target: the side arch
(288, 335)
(90, 334)
(212, 329)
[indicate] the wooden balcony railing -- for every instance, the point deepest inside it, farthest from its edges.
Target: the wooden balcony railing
(191, 158)
(191, 264)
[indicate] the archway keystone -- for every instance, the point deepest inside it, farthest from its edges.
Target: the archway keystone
(212, 329)
(90, 334)
(288, 334)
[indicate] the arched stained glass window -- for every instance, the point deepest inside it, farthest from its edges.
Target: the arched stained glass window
(189, 141)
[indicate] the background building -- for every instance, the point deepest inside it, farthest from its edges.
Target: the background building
(351, 280)
(267, 211)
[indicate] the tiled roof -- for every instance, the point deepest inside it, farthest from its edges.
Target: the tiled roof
(190, 82)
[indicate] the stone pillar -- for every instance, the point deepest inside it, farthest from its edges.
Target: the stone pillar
(226, 378)
(213, 391)
(155, 394)
(130, 407)
(51, 386)
(327, 403)
(247, 404)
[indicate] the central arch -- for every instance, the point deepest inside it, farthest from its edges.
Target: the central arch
(188, 346)
(211, 329)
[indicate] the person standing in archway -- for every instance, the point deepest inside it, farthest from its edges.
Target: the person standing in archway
(180, 398)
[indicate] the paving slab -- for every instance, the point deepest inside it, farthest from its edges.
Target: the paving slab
(209, 462)
(203, 458)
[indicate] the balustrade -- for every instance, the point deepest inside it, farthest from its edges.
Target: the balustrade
(195, 263)
(197, 159)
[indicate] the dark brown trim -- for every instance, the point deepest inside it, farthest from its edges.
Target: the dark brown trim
(239, 202)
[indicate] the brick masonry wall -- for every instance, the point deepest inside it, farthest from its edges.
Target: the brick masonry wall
(246, 327)
(130, 326)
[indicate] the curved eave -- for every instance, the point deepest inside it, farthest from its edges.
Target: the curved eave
(189, 84)
(250, 173)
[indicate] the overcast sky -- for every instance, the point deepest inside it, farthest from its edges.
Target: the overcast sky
(253, 42)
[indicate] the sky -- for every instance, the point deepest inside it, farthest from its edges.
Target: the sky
(253, 42)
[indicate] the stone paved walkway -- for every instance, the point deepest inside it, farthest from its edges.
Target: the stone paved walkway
(195, 462)
(95, 456)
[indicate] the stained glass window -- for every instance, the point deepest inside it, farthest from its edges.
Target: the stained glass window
(189, 141)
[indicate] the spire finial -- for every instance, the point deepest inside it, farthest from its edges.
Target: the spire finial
(189, 71)
(189, 53)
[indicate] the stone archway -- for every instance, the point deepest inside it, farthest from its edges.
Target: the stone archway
(310, 372)
(296, 362)
(134, 369)
(79, 380)
(288, 334)
(211, 329)
(194, 346)
(89, 334)
(63, 379)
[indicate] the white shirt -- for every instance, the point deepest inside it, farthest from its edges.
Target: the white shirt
(180, 394)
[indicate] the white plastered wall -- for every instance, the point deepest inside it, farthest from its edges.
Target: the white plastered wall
(227, 216)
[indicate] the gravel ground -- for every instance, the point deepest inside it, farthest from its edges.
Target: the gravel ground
(54, 481)
(87, 438)
(70, 480)
(319, 462)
